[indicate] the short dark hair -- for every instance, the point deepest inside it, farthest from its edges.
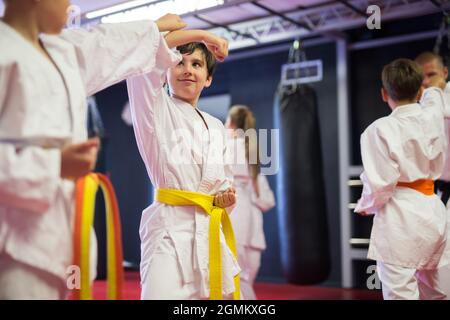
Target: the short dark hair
(211, 61)
(402, 79)
(429, 56)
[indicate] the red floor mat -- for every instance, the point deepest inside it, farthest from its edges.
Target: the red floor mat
(264, 291)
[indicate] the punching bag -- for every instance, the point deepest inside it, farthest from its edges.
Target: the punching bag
(301, 192)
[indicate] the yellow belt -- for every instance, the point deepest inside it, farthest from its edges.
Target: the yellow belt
(86, 190)
(217, 216)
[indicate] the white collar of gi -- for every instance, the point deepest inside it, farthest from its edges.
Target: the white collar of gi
(21, 40)
(186, 103)
(406, 109)
(6, 28)
(12, 32)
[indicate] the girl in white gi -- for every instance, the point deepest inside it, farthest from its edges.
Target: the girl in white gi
(44, 81)
(255, 196)
(435, 74)
(183, 149)
(402, 155)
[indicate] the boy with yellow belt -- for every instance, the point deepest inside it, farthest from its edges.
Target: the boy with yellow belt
(184, 252)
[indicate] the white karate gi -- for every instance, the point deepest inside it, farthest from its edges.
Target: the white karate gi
(443, 276)
(41, 110)
(179, 153)
(409, 229)
(247, 217)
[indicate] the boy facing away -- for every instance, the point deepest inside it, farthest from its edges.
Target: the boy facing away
(402, 155)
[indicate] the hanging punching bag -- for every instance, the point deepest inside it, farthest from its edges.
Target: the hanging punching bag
(301, 191)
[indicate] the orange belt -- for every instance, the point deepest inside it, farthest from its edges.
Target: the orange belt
(425, 186)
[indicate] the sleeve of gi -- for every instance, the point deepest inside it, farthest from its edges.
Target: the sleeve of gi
(433, 97)
(110, 53)
(266, 199)
(29, 176)
(381, 171)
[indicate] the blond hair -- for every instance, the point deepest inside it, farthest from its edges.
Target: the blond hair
(428, 56)
(242, 118)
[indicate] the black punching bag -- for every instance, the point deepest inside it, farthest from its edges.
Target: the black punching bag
(301, 192)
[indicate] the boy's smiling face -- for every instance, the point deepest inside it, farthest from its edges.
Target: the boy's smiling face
(189, 77)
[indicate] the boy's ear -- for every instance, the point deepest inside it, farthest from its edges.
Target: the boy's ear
(208, 82)
(384, 95)
(445, 73)
(419, 94)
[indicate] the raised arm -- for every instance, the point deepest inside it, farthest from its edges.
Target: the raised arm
(110, 53)
(218, 46)
(146, 91)
(433, 97)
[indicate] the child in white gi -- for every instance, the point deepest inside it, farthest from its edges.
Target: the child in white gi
(255, 195)
(45, 78)
(183, 149)
(402, 155)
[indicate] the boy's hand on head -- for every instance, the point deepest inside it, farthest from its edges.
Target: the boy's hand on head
(226, 198)
(170, 22)
(217, 45)
(77, 160)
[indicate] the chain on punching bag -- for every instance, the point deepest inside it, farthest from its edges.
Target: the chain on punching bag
(444, 32)
(301, 190)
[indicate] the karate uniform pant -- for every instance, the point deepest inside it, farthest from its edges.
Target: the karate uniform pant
(19, 281)
(164, 280)
(399, 283)
(249, 260)
(443, 281)
(443, 273)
